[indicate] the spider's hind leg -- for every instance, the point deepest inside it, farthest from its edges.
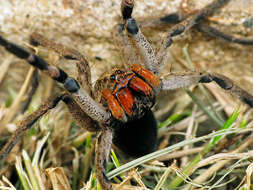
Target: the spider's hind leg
(28, 122)
(182, 27)
(77, 113)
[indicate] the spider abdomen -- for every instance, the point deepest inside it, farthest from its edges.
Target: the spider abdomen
(138, 137)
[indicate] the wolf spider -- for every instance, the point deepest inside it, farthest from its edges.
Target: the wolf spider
(121, 99)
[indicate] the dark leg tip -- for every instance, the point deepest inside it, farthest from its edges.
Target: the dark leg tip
(179, 30)
(127, 9)
(223, 83)
(171, 18)
(131, 26)
(3, 42)
(248, 101)
(205, 79)
(66, 99)
(14, 49)
(71, 85)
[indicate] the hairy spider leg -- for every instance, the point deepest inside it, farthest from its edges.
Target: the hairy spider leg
(143, 47)
(120, 38)
(49, 104)
(28, 122)
(216, 33)
(152, 62)
(189, 22)
(124, 45)
(83, 68)
(135, 35)
(174, 18)
(83, 77)
(179, 80)
(213, 31)
(89, 106)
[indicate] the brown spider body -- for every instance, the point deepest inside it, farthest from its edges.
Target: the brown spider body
(130, 95)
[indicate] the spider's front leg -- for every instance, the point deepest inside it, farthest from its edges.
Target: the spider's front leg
(155, 62)
(83, 77)
(180, 80)
(121, 39)
(94, 110)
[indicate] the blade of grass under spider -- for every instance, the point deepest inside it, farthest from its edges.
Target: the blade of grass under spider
(244, 123)
(230, 169)
(75, 163)
(203, 107)
(174, 118)
(30, 171)
(86, 159)
(207, 96)
(116, 164)
(115, 159)
(201, 87)
(11, 97)
(88, 141)
(227, 124)
(8, 185)
(80, 139)
(39, 146)
(187, 57)
(163, 178)
(22, 174)
(35, 161)
(167, 150)
(187, 170)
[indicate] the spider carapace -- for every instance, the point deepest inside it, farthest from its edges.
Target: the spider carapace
(129, 95)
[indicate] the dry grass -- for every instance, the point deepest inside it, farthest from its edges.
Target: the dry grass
(64, 158)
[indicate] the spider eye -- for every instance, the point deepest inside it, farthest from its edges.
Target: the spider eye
(118, 72)
(113, 77)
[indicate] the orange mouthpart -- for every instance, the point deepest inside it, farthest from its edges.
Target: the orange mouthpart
(114, 106)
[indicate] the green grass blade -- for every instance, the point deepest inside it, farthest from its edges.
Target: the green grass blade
(167, 150)
(187, 170)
